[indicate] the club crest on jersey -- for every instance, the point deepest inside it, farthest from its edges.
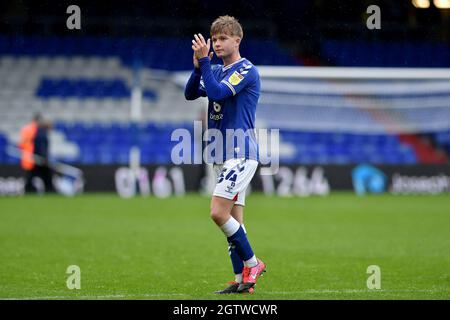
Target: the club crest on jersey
(235, 78)
(217, 107)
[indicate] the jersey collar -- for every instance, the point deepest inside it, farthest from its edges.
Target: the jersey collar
(230, 65)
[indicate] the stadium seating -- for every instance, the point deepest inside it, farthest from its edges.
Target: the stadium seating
(84, 85)
(386, 54)
(109, 144)
(156, 53)
(442, 139)
(345, 148)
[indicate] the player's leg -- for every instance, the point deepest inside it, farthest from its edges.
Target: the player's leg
(234, 178)
(221, 210)
(237, 212)
(240, 249)
(232, 285)
(236, 261)
(248, 282)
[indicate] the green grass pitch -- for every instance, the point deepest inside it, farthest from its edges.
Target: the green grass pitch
(148, 248)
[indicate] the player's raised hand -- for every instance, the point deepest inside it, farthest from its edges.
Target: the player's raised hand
(201, 48)
(195, 60)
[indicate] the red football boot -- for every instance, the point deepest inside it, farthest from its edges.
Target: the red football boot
(250, 276)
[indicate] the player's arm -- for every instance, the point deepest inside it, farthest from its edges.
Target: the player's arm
(193, 88)
(214, 89)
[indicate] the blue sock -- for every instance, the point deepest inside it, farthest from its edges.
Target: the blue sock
(236, 261)
(242, 246)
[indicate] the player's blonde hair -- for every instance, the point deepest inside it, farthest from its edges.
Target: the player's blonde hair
(227, 25)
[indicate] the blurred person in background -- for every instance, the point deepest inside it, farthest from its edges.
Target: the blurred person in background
(41, 152)
(26, 144)
(34, 145)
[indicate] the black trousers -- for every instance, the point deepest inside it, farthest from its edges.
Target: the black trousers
(43, 172)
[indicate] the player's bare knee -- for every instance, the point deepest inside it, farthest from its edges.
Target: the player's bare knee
(215, 213)
(219, 216)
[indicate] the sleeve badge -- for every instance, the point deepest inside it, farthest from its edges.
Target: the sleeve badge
(235, 78)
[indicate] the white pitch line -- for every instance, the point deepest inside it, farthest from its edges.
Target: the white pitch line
(99, 297)
(355, 291)
(312, 291)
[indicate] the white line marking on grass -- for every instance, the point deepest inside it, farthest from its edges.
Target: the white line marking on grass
(150, 295)
(354, 291)
(113, 296)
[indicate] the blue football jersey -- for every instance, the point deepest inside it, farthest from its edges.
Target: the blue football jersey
(236, 113)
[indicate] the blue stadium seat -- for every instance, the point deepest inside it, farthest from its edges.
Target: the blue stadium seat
(84, 88)
(110, 144)
(386, 54)
(136, 49)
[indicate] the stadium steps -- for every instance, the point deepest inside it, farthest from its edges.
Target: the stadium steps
(424, 150)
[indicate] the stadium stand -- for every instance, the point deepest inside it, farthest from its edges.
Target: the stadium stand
(84, 84)
(386, 54)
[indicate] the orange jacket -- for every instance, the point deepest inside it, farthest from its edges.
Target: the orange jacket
(27, 135)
